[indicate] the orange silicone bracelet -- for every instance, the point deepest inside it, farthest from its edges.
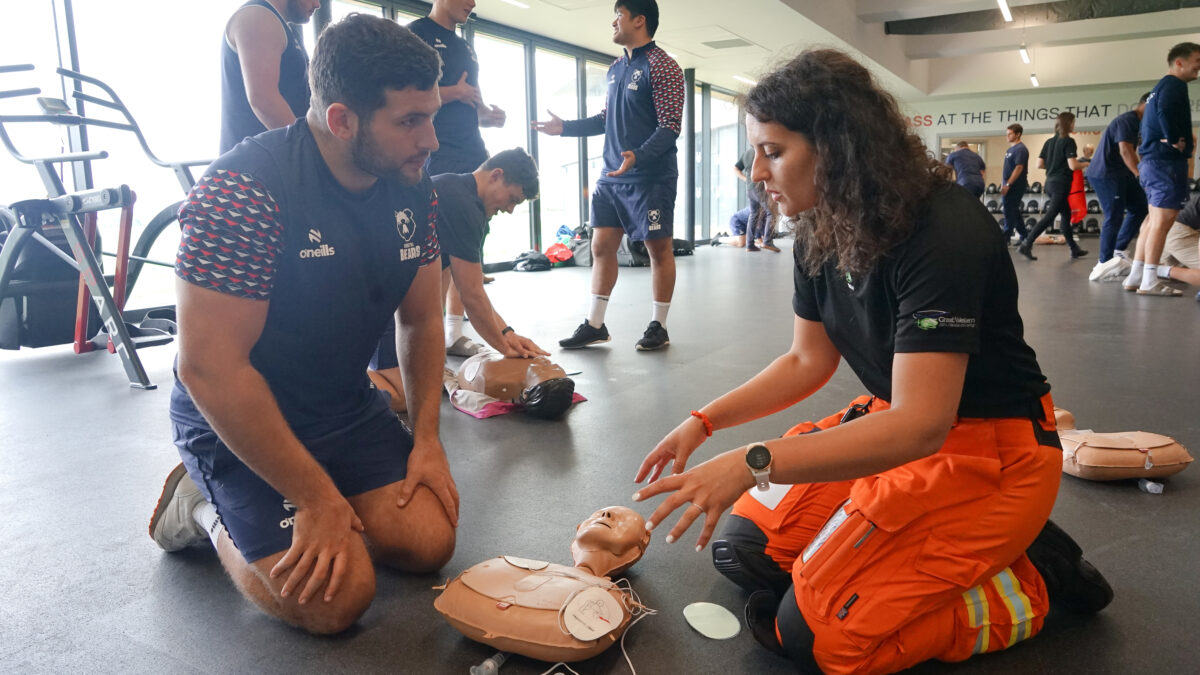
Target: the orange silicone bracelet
(708, 425)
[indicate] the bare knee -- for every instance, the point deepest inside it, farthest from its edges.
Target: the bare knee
(420, 540)
(355, 592)
(351, 602)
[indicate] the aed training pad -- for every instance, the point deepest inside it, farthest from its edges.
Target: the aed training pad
(712, 621)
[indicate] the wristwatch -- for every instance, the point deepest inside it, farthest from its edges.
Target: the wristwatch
(758, 460)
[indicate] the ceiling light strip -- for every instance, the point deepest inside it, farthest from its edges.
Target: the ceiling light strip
(1004, 10)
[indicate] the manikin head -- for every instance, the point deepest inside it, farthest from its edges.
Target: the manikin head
(542, 387)
(505, 180)
(374, 93)
(610, 541)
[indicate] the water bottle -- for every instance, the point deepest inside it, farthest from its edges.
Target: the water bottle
(1150, 487)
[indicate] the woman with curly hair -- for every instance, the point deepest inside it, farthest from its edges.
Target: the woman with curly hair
(914, 524)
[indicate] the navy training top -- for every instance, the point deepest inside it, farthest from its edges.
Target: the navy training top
(968, 166)
(1166, 119)
(457, 124)
(1107, 162)
(238, 120)
(642, 112)
(268, 221)
(1017, 155)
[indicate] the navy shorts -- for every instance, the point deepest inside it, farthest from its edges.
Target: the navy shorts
(644, 211)
(360, 457)
(1165, 182)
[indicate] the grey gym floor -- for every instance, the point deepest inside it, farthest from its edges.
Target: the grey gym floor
(83, 457)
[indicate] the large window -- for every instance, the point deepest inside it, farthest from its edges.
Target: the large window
(558, 159)
(502, 83)
(31, 41)
(724, 184)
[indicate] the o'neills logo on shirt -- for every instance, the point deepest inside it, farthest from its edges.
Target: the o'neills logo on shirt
(932, 319)
(321, 251)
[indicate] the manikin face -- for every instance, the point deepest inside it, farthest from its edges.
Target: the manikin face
(616, 529)
(1187, 69)
(399, 137)
(459, 10)
(300, 11)
(624, 28)
(786, 162)
(499, 195)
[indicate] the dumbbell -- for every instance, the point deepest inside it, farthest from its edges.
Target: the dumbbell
(1093, 225)
(1193, 185)
(1087, 187)
(992, 189)
(1030, 223)
(1036, 188)
(1032, 206)
(1093, 206)
(993, 206)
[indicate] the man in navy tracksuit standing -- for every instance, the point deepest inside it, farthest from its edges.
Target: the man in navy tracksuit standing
(636, 193)
(1167, 144)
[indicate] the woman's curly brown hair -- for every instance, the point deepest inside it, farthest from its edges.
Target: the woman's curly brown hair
(873, 174)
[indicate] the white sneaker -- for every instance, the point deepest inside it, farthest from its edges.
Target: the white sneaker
(1113, 269)
(464, 346)
(1123, 255)
(172, 526)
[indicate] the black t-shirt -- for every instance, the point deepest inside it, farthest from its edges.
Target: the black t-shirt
(1190, 215)
(950, 288)
(462, 222)
(1055, 153)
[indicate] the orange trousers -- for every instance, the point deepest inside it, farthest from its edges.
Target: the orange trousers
(923, 561)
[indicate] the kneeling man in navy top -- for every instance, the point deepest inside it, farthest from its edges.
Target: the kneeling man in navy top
(299, 247)
(635, 195)
(466, 202)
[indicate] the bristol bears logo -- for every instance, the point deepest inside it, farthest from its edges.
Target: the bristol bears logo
(655, 216)
(404, 224)
(637, 75)
(634, 79)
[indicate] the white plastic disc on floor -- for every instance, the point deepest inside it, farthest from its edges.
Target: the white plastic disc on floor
(712, 621)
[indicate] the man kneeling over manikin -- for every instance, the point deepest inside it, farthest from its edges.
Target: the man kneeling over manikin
(553, 612)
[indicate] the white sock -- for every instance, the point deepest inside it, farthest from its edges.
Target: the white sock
(454, 324)
(205, 515)
(1135, 273)
(1164, 271)
(660, 312)
(595, 315)
(1149, 276)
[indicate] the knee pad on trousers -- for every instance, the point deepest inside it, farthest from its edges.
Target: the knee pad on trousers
(797, 638)
(740, 555)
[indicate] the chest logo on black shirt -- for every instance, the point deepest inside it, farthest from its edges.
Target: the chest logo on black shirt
(405, 226)
(932, 319)
(321, 250)
(849, 281)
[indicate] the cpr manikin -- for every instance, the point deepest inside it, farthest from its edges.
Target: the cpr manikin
(541, 387)
(553, 612)
(1115, 456)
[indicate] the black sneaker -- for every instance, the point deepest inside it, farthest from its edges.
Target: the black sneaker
(585, 335)
(1078, 252)
(1026, 251)
(1070, 580)
(655, 337)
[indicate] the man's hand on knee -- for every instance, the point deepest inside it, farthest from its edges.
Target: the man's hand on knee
(322, 536)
